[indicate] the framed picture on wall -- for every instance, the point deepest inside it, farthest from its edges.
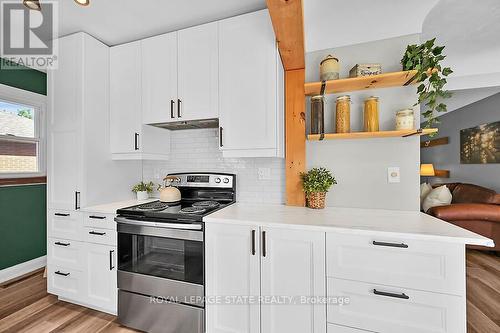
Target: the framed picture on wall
(480, 144)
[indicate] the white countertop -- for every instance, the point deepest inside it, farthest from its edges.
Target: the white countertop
(415, 225)
(112, 207)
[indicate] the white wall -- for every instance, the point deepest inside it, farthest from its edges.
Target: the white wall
(360, 166)
(198, 150)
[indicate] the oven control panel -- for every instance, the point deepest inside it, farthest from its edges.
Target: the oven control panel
(204, 180)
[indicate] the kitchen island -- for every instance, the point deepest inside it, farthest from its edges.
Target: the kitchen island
(392, 271)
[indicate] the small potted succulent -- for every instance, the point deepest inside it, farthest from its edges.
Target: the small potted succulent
(316, 182)
(142, 190)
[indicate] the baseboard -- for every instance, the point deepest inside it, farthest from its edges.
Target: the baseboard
(22, 268)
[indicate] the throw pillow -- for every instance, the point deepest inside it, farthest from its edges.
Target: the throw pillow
(425, 189)
(439, 196)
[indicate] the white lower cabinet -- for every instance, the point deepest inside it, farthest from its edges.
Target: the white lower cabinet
(82, 269)
(100, 276)
(381, 308)
(268, 265)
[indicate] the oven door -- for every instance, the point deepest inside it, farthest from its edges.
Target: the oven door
(160, 259)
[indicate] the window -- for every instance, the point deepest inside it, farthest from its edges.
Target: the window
(21, 139)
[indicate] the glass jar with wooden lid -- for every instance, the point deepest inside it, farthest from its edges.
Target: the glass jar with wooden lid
(343, 114)
(317, 114)
(371, 114)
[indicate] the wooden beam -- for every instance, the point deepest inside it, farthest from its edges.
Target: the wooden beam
(434, 142)
(23, 181)
(288, 23)
(295, 123)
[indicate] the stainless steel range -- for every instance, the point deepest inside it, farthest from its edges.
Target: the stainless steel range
(161, 256)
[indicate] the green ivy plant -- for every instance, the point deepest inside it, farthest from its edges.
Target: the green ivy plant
(148, 187)
(317, 180)
(425, 59)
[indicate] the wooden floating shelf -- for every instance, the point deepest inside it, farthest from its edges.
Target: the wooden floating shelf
(369, 135)
(386, 80)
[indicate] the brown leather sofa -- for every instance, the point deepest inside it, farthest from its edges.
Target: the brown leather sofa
(474, 208)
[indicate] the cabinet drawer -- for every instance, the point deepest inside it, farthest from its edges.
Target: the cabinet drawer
(392, 309)
(66, 253)
(100, 236)
(97, 220)
(408, 263)
(64, 224)
(331, 328)
(65, 282)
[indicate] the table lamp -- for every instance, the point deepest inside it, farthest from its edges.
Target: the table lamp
(427, 170)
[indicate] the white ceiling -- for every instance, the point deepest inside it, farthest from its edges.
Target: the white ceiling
(119, 21)
(334, 23)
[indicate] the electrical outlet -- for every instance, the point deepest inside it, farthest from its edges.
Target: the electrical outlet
(264, 173)
(393, 175)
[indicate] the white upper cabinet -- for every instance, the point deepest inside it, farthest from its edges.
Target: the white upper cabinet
(159, 79)
(198, 72)
(125, 90)
(250, 87)
(130, 139)
(79, 166)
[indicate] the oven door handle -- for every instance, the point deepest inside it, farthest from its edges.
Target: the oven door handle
(181, 226)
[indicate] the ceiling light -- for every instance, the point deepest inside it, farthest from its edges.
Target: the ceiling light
(32, 4)
(83, 2)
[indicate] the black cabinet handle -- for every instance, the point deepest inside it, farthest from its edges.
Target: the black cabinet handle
(97, 217)
(220, 137)
(77, 200)
(179, 108)
(62, 244)
(136, 141)
(264, 243)
(111, 260)
(253, 242)
(172, 108)
(61, 273)
(383, 293)
(401, 245)
(61, 214)
(97, 233)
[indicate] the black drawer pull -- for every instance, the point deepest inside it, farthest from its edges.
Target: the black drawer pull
(61, 214)
(253, 242)
(111, 266)
(62, 244)
(264, 250)
(383, 293)
(172, 108)
(61, 273)
(97, 217)
(401, 245)
(97, 233)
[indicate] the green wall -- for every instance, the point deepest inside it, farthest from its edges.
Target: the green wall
(23, 221)
(23, 224)
(22, 77)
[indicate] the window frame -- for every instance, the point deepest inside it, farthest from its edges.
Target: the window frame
(39, 103)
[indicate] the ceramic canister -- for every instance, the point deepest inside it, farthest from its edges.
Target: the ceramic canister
(329, 68)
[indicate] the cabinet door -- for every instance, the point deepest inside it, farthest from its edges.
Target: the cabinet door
(159, 79)
(125, 98)
(248, 83)
(64, 125)
(232, 269)
(198, 57)
(293, 265)
(100, 276)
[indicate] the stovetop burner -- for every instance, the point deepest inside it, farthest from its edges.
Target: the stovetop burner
(206, 204)
(153, 206)
(193, 210)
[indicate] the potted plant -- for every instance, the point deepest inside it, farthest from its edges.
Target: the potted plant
(426, 60)
(142, 190)
(316, 182)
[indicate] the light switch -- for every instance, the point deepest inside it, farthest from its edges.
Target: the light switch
(264, 173)
(393, 175)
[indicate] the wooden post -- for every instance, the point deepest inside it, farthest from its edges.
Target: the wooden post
(295, 129)
(288, 23)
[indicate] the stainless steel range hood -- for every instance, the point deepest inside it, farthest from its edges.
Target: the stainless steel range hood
(190, 124)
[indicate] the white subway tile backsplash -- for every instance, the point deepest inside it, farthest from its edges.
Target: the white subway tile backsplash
(198, 151)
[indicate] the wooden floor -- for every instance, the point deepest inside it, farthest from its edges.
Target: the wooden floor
(25, 305)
